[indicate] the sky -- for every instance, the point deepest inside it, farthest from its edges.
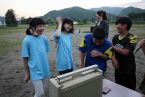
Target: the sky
(32, 8)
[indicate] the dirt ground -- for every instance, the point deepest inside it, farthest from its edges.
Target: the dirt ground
(12, 70)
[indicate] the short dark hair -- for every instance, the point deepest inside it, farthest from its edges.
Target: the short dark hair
(124, 20)
(67, 21)
(102, 14)
(36, 21)
(99, 33)
(33, 23)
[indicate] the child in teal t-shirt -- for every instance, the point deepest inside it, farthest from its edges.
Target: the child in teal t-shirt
(63, 38)
(35, 48)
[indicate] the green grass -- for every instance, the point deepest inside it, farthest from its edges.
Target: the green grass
(8, 38)
(8, 46)
(11, 37)
(139, 30)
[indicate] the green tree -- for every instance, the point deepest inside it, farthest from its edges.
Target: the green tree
(137, 16)
(51, 21)
(23, 20)
(10, 18)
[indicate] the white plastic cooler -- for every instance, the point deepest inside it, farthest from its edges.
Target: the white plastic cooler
(86, 82)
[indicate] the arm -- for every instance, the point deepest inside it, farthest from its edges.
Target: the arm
(82, 56)
(107, 54)
(114, 62)
(58, 30)
(27, 72)
(83, 49)
(104, 56)
(25, 56)
(128, 47)
(142, 45)
(143, 49)
(119, 50)
(122, 51)
(96, 53)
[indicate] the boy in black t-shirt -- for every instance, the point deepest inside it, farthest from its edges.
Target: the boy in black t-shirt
(123, 60)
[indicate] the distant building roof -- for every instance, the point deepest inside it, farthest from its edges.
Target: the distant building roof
(2, 18)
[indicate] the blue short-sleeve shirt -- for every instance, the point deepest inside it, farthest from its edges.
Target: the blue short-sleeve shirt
(36, 50)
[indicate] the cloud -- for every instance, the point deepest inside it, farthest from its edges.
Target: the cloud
(40, 7)
(140, 4)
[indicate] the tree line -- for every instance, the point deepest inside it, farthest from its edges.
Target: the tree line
(10, 19)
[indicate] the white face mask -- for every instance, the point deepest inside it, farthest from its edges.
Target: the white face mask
(36, 34)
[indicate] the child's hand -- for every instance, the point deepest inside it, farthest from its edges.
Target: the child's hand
(31, 31)
(81, 66)
(59, 20)
(27, 78)
(142, 43)
(95, 53)
(114, 62)
(113, 47)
